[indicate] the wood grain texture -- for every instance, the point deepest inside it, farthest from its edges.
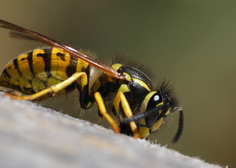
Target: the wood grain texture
(34, 136)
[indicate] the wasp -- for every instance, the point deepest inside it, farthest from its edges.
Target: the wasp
(123, 91)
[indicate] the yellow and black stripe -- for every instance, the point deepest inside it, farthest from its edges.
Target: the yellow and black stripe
(40, 69)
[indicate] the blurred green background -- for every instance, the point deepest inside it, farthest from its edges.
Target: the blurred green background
(193, 43)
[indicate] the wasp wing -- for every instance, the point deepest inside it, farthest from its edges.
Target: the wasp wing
(39, 37)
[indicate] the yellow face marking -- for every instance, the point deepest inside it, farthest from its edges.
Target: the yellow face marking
(161, 121)
(25, 67)
(157, 125)
(161, 103)
(143, 132)
(39, 64)
(146, 100)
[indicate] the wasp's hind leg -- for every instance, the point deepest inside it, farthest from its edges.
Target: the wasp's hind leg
(52, 89)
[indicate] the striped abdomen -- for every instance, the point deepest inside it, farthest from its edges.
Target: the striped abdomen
(39, 69)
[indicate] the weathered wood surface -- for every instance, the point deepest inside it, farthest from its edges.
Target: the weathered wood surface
(34, 136)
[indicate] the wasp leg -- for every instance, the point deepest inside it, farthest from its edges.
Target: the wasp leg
(104, 113)
(120, 97)
(53, 89)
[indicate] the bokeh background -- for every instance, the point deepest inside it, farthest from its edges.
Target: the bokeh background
(192, 43)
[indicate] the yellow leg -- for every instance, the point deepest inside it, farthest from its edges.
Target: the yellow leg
(104, 113)
(53, 89)
(128, 113)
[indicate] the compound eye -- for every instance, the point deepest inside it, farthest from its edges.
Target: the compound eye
(154, 101)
